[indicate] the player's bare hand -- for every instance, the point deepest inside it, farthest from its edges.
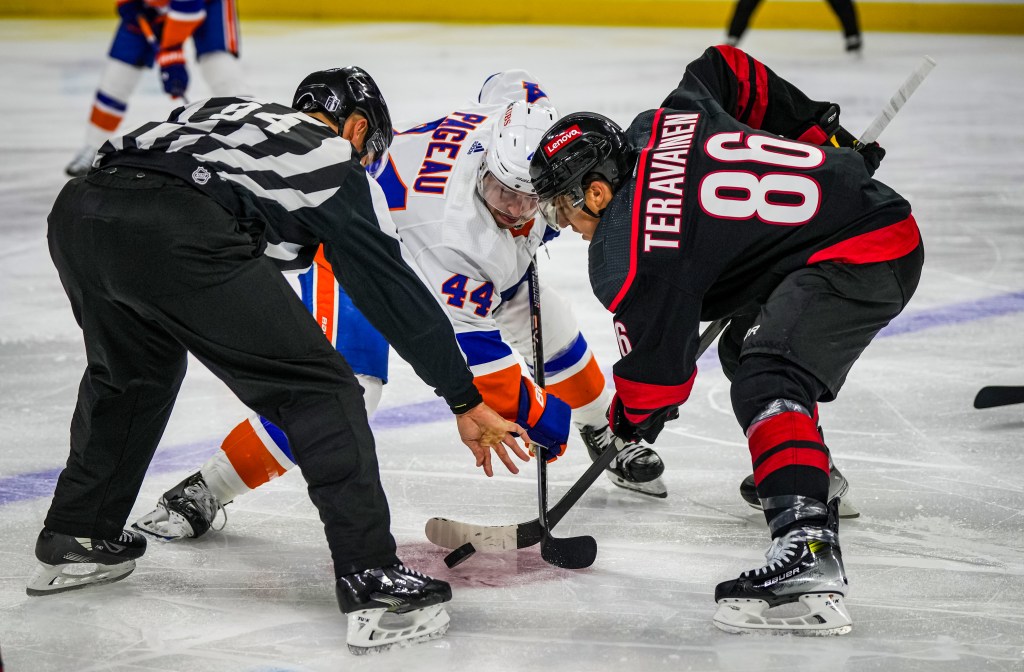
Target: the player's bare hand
(483, 430)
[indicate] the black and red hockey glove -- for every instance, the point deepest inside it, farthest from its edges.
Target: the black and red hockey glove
(646, 429)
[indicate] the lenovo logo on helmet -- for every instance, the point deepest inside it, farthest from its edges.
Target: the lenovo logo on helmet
(564, 138)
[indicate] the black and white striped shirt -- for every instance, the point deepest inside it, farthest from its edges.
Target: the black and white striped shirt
(289, 177)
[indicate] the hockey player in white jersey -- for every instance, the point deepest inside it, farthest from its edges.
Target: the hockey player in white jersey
(460, 195)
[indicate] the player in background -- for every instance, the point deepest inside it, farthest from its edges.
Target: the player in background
(459, 192)
(168, 247)
(844, 10)
(704, 210)
(156, 31)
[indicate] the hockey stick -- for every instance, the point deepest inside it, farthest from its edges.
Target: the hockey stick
(996, 395)
(898, 100)
(567, 552)
(495, 538)
(147, 32)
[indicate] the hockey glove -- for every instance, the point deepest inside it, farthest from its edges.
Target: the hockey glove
(647, 429)
(872, 154)
(821, 131)
(172, 70)
(545, 417)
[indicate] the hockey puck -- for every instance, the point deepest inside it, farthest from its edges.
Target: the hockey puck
(459, 555)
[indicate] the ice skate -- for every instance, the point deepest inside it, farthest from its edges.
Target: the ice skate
(68, 563)
(854, 47)
(82, 163)
(392, 606)
(637, 467)
(187, 510)
(837, 489)
(801, 590)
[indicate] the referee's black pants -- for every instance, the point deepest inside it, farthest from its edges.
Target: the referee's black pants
(155, 269)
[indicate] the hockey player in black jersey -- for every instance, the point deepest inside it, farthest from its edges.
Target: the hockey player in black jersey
(166, 248)
(741, 198)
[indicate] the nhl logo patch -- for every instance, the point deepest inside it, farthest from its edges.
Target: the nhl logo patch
(201, 175)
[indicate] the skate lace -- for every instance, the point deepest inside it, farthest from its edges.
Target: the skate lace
(778, 554)
(630, 452)
(411, 572)
(208, 504)
(605, 440)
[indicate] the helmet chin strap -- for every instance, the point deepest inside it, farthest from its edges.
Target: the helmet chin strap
(595, 215)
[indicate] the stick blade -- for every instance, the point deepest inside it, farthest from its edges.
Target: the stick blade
(996, 395)
(452, 534)
(570, 552)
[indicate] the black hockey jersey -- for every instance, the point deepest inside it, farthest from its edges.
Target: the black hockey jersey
(294, 184)
(722, 205)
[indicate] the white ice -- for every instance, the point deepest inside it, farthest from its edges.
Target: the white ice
(936, 562)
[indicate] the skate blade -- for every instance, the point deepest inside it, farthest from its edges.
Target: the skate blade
(825, 615)
(377, 630)
(846, 510)
(655, 488)
(53, 579)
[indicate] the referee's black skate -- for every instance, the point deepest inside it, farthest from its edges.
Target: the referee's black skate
(185, 511)
(837, 488)
(637, 467)
(68, 563)
(392, 606)
(801, 590)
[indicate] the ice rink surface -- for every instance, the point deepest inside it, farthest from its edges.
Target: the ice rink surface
(936, 562)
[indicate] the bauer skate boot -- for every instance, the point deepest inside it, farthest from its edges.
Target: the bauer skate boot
(637, 467)
(801, 590)
(392, 606)
(837, 489)
(187, 510)
(82, 163)
(68, 563)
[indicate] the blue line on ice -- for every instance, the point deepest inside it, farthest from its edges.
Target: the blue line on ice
(182, 457)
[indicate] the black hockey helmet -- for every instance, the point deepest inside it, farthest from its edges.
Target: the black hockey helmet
(576, 146)
(339, 92)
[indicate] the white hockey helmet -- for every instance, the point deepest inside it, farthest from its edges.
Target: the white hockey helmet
(509, 85)
(504, 179)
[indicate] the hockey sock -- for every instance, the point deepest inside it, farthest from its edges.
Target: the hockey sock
(222, 72)
(594, 414)
(111, 102)
(790, 470)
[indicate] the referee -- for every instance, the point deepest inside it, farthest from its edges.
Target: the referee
(173, 243)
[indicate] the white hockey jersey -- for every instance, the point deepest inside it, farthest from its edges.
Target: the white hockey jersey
(472, 264)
